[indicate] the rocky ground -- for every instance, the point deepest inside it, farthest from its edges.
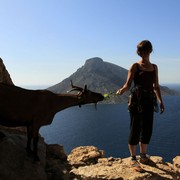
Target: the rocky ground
(87, 163)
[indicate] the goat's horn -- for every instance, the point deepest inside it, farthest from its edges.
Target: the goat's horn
(85, 87)
(76, 87)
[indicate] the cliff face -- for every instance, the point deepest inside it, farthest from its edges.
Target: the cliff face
(15, 164)
(82, 163)
(103, 77)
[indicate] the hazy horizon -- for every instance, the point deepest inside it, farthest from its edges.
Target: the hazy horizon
(175, 86)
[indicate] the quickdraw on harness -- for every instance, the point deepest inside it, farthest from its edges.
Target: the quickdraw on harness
(137, 92)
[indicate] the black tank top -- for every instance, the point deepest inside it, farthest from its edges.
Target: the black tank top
(145, 79)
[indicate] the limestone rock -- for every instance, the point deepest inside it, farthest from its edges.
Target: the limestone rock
(83, 163)
(57, 167)
(117, 168)
(84, 155)
(176, 163)
(14, 162)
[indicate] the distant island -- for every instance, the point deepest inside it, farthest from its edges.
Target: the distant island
(103, 77)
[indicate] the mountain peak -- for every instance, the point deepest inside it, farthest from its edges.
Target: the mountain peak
(94, 60)
(98, 75)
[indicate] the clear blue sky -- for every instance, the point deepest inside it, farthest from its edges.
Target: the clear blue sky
(45, 41)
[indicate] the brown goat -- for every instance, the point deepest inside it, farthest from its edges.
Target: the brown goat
(36, 108)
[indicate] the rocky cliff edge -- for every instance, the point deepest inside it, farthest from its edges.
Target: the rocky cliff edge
(85, 162)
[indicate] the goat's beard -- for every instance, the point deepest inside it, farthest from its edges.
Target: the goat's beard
(95, 105)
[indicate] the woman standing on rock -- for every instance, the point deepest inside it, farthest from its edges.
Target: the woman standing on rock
(142, 102)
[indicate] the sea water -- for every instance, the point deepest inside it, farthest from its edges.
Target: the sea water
(108, 127)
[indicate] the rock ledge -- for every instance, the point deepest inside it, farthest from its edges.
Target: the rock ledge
(86, 162)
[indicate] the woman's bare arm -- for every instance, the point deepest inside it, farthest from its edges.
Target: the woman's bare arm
(130, 77)
(157, 90)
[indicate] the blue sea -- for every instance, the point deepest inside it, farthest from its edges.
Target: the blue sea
(108, 127)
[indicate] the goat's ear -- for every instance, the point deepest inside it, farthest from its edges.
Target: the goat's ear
(85, 88)
(71, 83)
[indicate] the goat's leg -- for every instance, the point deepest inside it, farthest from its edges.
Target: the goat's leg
(29, 138)
(35, 148)
(32, 134)
(35, 143)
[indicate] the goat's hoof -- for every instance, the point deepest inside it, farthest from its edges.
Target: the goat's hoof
(2, 135)
(36, 159)
(29, 151)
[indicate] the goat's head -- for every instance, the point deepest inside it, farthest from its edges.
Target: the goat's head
(86, 96)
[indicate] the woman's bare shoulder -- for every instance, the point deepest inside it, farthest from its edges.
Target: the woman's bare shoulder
(134, 66)
(155, 66)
